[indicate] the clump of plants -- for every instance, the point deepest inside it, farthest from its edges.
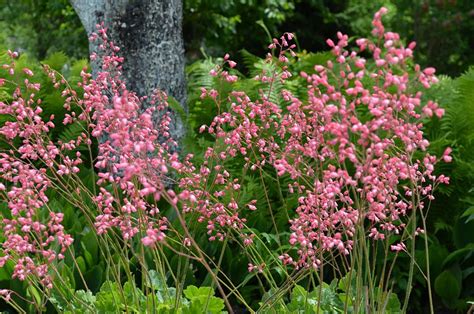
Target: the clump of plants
(341, 146)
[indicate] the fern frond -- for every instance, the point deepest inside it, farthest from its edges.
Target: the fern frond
(72, 132)
(198, 75)
(56, 60)
(250, 60)
(77, 67)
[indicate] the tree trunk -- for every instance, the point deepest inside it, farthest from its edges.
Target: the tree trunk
(149, 34)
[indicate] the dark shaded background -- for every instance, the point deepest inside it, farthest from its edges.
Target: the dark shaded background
(443, 29)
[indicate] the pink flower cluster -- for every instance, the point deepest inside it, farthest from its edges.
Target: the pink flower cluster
(354, 146)
(211, 192)
(30, 242)
(135, 155)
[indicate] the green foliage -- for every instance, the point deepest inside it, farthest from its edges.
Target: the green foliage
(218, 26)
(447, 285)
(203, 299)
(450, 218)
(113, 298)
(336, 297)
(225, 25)
(42, 28)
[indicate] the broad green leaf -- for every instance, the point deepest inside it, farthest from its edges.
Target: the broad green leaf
(194, 292)
(458, 255)
(447, 286)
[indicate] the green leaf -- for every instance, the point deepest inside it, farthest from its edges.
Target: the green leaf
(94, 277)
(324, 297)
(448, 286)
(32, 291)
(249, 59)
(133, 294)
(57, 301)
(462, 233)
(88, 257)
(467, 272)
(345, 282)
(154, 281)
(53, 103)
(469, 213)
(82, 264)
(393, 304)
(67, 275)
(329, 300)
(215, 305)
(438, 255)
(203, 298)
(86, 303)
(457, 255)
(91, 245)
(195, 292)
(6, 270)
(108, 299)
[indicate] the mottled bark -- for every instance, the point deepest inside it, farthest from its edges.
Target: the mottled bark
(149, 33)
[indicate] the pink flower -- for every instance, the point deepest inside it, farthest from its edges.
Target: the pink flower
(446, 155)
(6, 294)
(28, 71)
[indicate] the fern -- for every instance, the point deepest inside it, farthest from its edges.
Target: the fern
(249, 60)
(77, 67)
(456, 130)
(56, 61)
(72, 131)
(198, 75)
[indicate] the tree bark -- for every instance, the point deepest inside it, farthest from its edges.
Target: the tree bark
(149, 34)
